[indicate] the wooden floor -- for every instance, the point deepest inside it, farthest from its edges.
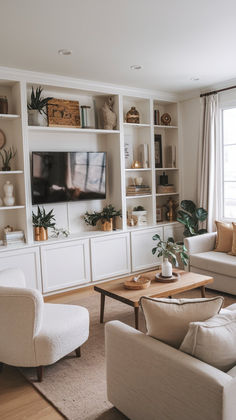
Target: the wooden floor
(18, 399)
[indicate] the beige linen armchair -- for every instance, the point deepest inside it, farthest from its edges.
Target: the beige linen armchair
(34, 333)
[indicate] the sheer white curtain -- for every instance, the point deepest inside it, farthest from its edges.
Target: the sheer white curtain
(209, 161)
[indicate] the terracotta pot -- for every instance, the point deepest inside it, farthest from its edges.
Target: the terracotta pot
(107, 225)
(40, 233)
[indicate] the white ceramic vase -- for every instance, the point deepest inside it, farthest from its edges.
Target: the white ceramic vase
(9, 199)
(35, 118)
(166, 268)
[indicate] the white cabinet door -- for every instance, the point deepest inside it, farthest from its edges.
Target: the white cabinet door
(28, 260)
(110, 256)
(141, 249)
(65, 265)
(174, 231)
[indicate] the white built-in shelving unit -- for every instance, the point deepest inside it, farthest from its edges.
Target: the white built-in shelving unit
(83, 239)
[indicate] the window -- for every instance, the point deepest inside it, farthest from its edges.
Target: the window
(229, 163)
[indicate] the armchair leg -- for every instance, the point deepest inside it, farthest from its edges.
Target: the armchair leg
(40, 373)
(1, 366)
(78, 352)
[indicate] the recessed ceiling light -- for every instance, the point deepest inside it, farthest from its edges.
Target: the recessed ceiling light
(64, 51)
(136, 67)
(194, 79)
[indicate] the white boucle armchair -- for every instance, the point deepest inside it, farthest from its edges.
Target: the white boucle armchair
(34, 333)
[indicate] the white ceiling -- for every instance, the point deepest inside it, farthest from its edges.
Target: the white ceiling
(173, 40)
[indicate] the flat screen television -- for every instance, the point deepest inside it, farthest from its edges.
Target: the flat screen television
(68, 176)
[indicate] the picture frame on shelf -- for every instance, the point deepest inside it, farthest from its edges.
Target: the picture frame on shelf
(158, 151)
(63, 113)
(159, 214)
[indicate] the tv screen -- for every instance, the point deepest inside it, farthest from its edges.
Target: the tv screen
(68, 176)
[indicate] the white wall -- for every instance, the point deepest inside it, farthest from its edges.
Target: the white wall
(190, 110)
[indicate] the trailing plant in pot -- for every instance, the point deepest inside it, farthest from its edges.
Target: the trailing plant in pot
(190, 216)
(36, 107)
(41, 222)
(169, 250)
(7, 155)
(105, 216)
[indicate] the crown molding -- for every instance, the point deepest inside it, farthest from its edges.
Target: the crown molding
(27, 76)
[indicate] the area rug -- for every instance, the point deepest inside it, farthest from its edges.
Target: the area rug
(76, 387)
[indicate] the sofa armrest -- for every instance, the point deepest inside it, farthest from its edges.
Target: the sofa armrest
(149, 379)
(200, 243)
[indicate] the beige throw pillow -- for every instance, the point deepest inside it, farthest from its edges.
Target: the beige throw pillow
(224, 237)
(213, 341)
(168, 319)
(233, 251)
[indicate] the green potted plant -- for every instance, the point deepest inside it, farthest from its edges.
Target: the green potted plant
(41, 222)
(7, 155)
(190, 216)
(169, 250)
(36, 107)
(105, 216)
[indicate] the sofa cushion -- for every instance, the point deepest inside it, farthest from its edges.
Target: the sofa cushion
(224, 237)
(213, 341)
(218, 262)
(233, 251)
(168, 319)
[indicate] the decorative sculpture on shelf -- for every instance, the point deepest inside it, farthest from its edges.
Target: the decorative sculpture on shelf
(172, 206)
(8, 199)
(109, 117)
(166, 119)
(132, 116)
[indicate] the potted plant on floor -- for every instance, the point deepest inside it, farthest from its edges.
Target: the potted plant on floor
(36, 107)
(41, 222)
(190, 216)
(169, 250)
(106, 216)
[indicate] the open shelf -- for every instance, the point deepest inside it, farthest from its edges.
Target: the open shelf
(165, 126)
(138, 169)
(71, 130)
(139, 196)
(166, 169)
(136, 125)
(167, 194)
(11, 207)
(9, 116)
(11, 172)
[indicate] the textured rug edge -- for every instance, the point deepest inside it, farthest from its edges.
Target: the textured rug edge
(41, 394)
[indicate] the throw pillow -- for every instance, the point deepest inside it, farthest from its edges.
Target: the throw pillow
(213, 341)
(224, 237)
(168, 319)
(233, 251)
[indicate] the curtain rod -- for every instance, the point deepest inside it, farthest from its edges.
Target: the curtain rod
(217, 91)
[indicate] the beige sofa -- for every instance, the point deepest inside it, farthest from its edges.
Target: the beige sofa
(147, 379)
(204, 260)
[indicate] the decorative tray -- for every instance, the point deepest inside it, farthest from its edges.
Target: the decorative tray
(141, 283)
(161, 279)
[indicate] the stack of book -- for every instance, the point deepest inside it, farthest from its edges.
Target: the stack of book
(138, 190)
(13, 238)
